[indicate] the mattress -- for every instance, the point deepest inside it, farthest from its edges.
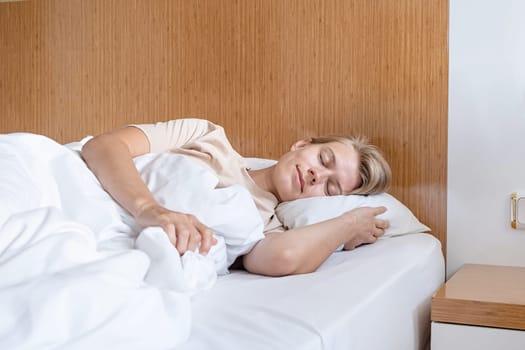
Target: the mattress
(374, 297)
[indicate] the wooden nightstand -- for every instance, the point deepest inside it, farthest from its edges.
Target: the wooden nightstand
(481, 307)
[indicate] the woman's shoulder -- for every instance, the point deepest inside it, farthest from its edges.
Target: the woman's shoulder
(167, 135)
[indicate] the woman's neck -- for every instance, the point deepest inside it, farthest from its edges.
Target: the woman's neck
(263, 179)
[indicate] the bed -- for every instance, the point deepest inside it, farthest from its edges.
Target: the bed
(375, 297)
(76, 269)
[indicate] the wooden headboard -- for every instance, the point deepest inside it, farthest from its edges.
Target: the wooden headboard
(269, 71)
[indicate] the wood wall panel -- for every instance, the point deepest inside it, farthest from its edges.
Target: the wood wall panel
(269, 71)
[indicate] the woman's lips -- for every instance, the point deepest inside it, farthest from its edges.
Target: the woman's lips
(300, 178)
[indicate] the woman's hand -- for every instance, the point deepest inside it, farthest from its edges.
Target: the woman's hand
(184, 231)
(364, 225)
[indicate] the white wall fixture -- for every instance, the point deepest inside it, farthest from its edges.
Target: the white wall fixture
(517, 210)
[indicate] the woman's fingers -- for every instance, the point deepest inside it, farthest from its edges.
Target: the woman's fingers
(382, 224)
(378, 210)
(372, 239)
(183, 236)
(184, 231)
(170, 231)
(191, 234)
(194, 240)
(365, 226)
(207, 239)
(380, 227)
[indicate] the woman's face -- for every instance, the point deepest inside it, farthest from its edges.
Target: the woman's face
(310, 170)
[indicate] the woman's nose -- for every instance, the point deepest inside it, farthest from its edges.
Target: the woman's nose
(312, 174)
(316, 176)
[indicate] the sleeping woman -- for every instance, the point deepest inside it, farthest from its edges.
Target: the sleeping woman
(323, 166)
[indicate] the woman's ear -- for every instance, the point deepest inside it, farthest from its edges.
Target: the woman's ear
(300, 144)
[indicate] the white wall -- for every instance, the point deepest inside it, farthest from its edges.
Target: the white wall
(486, 145)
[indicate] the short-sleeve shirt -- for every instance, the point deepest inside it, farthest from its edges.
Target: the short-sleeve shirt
(207, 143)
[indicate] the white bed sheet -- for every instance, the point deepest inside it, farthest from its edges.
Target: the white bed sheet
(375, 297)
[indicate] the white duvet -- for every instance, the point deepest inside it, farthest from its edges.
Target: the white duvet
(77, 273)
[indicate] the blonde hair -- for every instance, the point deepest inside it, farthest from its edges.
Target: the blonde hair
(374, 170)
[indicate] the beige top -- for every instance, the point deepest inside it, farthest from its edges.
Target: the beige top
(207, 143)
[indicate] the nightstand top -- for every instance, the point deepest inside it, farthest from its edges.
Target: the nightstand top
(487, 283)
(484, 295)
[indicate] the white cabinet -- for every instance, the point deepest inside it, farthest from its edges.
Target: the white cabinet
(448, 336)
(481, 307)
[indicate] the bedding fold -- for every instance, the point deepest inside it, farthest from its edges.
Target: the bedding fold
(73, 273)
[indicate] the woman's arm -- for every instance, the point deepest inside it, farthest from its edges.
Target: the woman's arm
(110, 158)
(304, 249)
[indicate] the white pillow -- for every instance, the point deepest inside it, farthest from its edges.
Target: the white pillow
(312, 210)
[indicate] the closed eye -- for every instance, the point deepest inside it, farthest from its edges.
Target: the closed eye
(333, 189)
(326, 157)
(321, 159)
